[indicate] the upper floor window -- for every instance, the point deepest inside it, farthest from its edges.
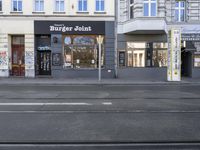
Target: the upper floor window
(82, 5)
(131, 9)
(0, 5)
(16, 5)
(150, 8)
(39, 5)
(59, 5)
(100, 5)
(180, 11)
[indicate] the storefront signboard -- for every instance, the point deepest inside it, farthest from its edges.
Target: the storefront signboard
(69, 27)
(174, 55)
(190, 37)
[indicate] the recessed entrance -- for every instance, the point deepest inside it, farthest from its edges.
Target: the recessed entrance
(186, 63)
(44, 62)
(18, 63)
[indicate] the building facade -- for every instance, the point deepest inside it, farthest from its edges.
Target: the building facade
(56, 38)
(143, 31)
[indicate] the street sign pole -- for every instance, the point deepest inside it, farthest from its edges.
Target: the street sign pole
(100, 41)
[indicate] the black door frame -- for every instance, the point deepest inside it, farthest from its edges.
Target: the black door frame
(39, 59)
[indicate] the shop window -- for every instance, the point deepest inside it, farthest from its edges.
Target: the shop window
(39, 5)
(136, 54)
(150, 8)
(0, 5)
(197, 60)
(180, 11)
(144, 55)
(100, 5)
(82, 5)
(17, 5)
(81, 52)
(59, 5)
(159, 55)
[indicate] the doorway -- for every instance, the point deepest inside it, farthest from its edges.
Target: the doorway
(136, 58)
(18, 55)
(186, 63)
(44, 62)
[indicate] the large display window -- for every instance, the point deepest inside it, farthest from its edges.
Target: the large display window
(81, 51)
(197, 59)
(159, 58)
(136, 54)
(142, 54)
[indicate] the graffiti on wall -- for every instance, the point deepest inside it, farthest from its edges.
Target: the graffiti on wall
(29, 59)
(3, 59)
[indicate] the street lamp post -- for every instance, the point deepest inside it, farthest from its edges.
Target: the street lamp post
(100, 41)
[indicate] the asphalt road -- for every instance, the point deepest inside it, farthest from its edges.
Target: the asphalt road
(53, 116)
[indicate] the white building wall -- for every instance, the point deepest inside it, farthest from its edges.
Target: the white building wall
(71, 8)
(22, 23)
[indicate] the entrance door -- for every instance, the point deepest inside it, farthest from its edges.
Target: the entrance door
(18, 63)
(138, 58)
(44, 62)
(186, 63)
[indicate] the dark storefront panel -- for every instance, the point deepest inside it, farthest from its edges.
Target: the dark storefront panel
(69, 29)
(155, 69)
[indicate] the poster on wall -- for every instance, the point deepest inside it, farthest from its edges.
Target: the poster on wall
(174, 55)
(3, 60)
(29, 59)
(56, 59)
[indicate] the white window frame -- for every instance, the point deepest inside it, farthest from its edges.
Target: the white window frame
(12, 5)
(1, 5)
(179, 8)
(59, 6)
(99, 1)
(149, 5)
(39, 5)
(131, 5)
(82, 6)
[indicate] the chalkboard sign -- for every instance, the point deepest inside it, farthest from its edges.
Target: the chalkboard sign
(56, 59)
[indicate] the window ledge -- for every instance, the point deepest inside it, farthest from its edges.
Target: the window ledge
(16, 12)
(82, 12)
(58, 12)
(38, 12)
(99, 12)
(1, 12)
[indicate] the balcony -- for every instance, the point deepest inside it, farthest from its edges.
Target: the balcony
(143, 25)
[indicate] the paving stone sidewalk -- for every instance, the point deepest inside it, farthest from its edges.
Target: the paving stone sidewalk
(87, 81)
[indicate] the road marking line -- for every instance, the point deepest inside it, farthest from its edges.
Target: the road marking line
(41, 104)
(107, 103)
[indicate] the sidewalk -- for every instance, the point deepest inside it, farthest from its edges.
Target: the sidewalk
(87, 81)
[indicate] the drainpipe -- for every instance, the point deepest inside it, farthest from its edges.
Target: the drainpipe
(116, 51)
